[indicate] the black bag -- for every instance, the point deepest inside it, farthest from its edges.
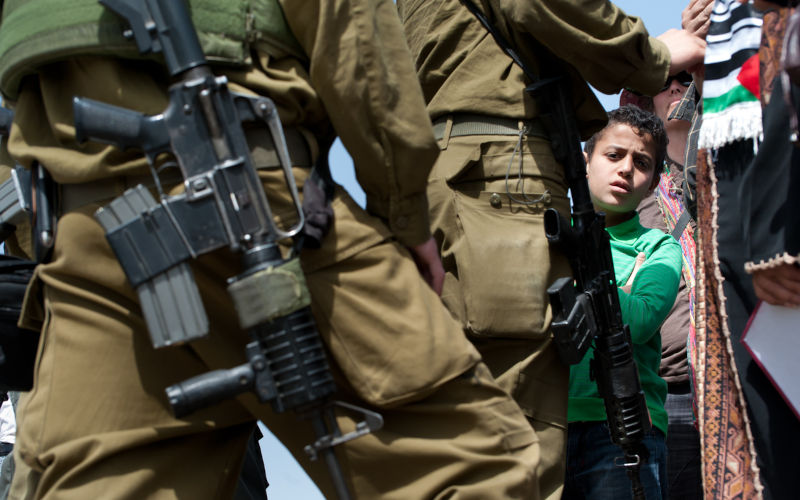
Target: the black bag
(18, 345)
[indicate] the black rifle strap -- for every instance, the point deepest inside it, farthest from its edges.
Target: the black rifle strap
(680, 225)
(500, 39)
(548, 61)
(318, 192)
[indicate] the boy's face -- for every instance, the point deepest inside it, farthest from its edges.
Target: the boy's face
(621, 169)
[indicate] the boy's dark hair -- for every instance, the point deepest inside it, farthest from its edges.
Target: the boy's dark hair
(640, 120)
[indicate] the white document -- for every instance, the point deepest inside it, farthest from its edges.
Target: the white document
(773, 338)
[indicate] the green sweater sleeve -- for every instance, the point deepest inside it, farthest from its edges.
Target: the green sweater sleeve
(653, 292)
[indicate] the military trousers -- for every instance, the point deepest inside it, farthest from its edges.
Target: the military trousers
(97, 423)
(487, 198)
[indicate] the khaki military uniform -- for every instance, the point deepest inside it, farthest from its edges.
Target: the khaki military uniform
(97, 423)
(496, 175)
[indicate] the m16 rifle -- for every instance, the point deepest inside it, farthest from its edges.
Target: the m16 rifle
(585, 309)
(224, 205)
(28, 196)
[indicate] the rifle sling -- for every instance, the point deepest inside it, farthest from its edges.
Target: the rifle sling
(681, 224)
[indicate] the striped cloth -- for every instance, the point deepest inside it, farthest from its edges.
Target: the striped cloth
(670, 203)
(669, 198)
(731, 110)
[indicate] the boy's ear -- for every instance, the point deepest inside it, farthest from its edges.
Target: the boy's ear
(654, 181)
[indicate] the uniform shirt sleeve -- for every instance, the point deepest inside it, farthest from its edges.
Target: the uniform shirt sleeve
(361, 67)
(653, 293)
(610, 49)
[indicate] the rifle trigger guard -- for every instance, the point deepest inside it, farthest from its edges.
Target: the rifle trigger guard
(628, 461)
(263, 109)
(372, 422)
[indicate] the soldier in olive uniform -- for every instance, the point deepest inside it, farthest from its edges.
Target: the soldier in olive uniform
(97, 423)
(496, 173)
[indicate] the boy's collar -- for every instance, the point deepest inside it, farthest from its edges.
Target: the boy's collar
(625, 224)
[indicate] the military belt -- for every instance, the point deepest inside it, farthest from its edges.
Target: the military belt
(73, 196)
(463, 124)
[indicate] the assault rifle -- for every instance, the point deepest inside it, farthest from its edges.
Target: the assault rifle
(19, 195)
(587, 309)
(224, 205)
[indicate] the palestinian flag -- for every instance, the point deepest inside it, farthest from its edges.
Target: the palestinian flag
(731, 109)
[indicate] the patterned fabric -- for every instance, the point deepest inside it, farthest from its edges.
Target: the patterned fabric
(731, 110)
(769, 53)
(671, 206)
(729, 464)
(731, 113)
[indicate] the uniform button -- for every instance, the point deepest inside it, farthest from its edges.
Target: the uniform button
(495, 200)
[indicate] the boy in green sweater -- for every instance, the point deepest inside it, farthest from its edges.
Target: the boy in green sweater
(622, 162)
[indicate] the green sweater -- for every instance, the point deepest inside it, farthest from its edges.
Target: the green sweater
(643, 309)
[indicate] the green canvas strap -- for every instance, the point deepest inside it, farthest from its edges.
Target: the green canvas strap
(462, 124)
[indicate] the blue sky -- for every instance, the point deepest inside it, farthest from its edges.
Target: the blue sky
(287, 479)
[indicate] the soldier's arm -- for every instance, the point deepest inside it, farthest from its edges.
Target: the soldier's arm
(362, 69)
(609, 48)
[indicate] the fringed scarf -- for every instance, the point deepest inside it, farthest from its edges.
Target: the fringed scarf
(731, 110)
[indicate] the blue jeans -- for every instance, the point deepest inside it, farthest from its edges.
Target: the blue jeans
(591, 470)
(684, 459)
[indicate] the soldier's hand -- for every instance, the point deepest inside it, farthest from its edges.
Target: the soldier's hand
(429, 264)
(696, 17)
(686, 50)
(779, 286)
(636, 265)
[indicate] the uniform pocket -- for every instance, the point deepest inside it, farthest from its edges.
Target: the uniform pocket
(505, 263)
(505, 418)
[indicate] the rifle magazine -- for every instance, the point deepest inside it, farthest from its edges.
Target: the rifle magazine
(154, 260)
